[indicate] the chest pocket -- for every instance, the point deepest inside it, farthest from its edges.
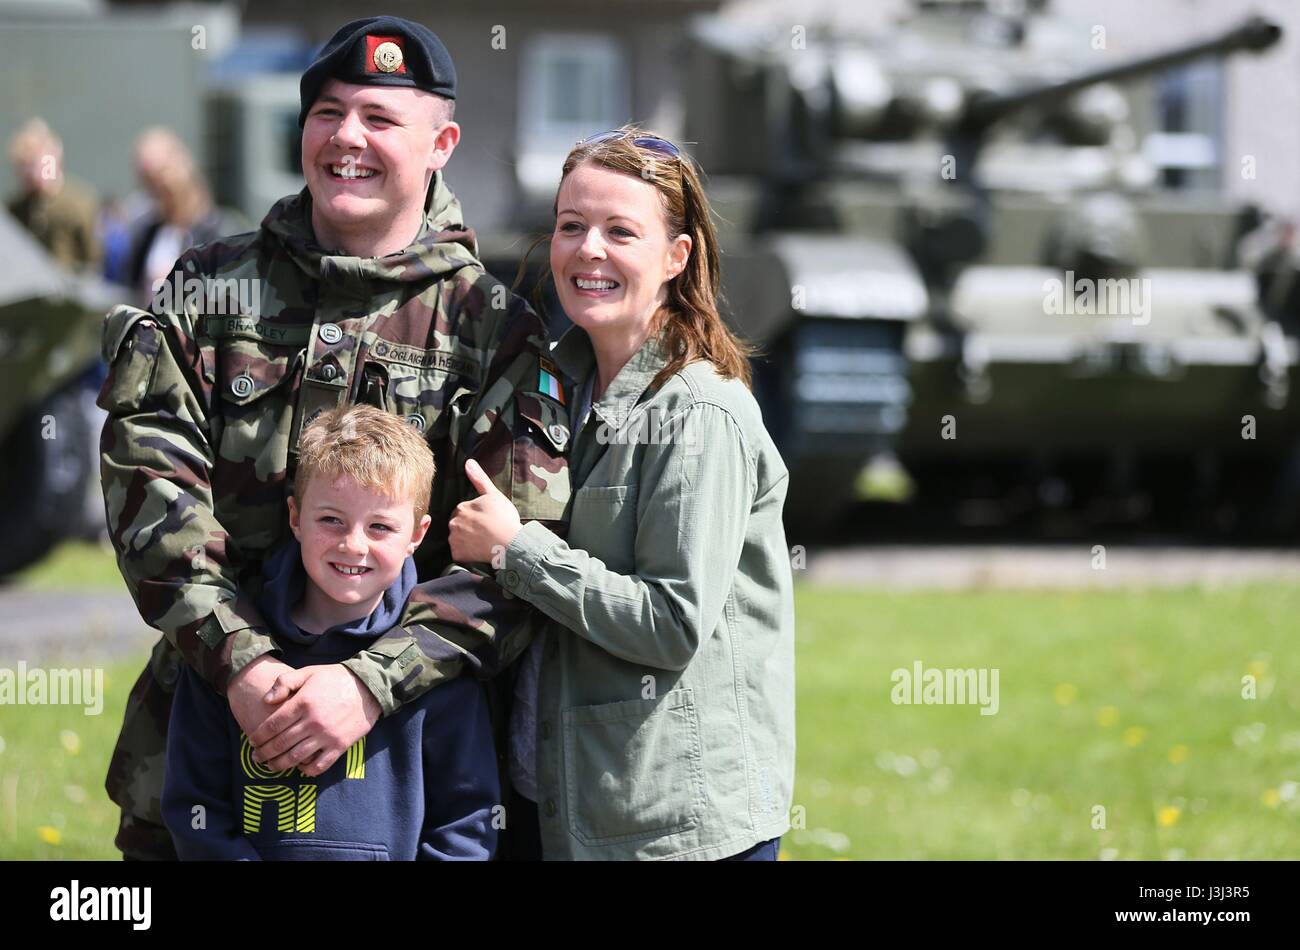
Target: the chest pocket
(603, 523)
(422, 395)
(539, 468)
(256, 385)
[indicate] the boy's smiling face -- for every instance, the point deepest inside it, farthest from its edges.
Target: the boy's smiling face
(354, 543)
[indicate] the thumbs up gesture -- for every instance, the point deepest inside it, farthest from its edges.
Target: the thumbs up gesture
(484, 526)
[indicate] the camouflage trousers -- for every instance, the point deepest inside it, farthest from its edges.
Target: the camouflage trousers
(135, 773)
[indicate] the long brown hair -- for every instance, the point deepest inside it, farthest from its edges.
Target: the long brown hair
(689, 325)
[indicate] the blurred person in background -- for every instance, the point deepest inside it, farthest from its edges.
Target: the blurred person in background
(60, 212)
(180, 215)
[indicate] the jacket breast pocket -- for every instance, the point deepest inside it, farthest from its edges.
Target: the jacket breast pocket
(252, 420)
(424, 398)
(603, 523)
(633, 769)
(539, 468)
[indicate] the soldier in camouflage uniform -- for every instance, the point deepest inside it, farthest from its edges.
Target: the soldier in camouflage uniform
(250, 338)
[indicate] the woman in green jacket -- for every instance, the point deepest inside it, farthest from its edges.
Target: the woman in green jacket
(654, 717)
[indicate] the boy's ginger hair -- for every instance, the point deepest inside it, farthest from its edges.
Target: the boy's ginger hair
(376, 449)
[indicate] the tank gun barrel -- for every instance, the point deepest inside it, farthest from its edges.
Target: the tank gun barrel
(1255, 34)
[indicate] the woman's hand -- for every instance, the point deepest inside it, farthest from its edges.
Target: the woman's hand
(480, 530)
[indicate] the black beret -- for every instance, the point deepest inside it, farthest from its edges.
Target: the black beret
(380, 51)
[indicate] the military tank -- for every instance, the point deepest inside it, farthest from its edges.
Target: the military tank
(970, 285)
(50, 367)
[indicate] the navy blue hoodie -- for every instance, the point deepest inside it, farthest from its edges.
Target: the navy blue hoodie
(422, 784)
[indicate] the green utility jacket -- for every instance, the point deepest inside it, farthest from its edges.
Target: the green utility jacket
(207, 394)
(666, 693)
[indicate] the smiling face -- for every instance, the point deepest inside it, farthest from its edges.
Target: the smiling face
(368, 153)
(354, 542)
(611, 253)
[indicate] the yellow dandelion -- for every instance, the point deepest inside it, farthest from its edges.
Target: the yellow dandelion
(783, 856)
(1257, 668)
(71, 741)
(1271, 797)
(1134, 735)
(1178, 754)
(1065, 693)
(1168, 816)
(1107, 716)
(49, 834)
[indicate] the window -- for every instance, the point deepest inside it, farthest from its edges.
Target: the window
(1188, 148)
(572, 85)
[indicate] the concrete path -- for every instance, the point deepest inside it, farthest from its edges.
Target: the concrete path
(42, 626)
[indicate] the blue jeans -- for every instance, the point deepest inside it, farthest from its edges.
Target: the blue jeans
(763, 851)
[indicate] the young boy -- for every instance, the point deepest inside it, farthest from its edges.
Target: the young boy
(423, 783)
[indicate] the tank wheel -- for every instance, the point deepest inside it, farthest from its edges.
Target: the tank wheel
(821, 493)
(46, 464)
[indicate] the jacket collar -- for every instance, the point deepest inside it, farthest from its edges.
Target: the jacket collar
(443, 245)
(576, 359)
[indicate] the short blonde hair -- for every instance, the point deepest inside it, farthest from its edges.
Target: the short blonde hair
(376, 449)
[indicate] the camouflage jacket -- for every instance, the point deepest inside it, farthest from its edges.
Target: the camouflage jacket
(251, 337)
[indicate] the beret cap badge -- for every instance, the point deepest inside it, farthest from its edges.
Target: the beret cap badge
(379, 51)
(388, 57)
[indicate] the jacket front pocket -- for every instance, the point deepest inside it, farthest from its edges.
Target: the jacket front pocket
(603, 523)
(254, 410)
(633, 769)
(322, 849)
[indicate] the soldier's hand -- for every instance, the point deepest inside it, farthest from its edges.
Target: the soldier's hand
(480, 528)
(325, 709)
(248, 692)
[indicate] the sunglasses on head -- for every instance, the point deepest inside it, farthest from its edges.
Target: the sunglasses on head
(651, 142)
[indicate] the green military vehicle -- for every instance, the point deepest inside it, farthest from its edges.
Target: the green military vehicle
(50, 324)
(972, 288)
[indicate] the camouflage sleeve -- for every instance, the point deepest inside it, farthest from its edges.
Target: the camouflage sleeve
(463, 618)
(156, 464)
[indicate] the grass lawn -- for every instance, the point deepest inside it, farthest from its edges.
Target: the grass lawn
(1127, 702)
(91, 565)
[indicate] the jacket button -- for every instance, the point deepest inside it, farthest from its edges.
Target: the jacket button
(416, 422)
(329, 371)
(331, 333)
(241, 386)
(550, 808)
(512, 578)
(546, 729)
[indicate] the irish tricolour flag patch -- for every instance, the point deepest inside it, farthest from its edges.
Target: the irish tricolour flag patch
(548, 383)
